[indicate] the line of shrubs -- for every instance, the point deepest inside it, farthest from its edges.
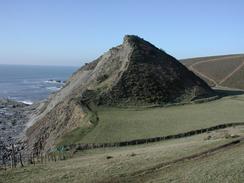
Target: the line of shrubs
(79, 147)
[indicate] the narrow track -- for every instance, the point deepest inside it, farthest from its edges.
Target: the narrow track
(232, 73)
(192, 68)
(203, 154)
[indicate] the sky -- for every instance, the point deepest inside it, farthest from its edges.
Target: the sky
(73, 32)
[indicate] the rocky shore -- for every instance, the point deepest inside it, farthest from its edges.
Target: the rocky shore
(13, 118)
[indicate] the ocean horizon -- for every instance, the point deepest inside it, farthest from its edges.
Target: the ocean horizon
(32, 83)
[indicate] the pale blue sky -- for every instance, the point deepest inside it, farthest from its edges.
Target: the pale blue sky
(71, 32)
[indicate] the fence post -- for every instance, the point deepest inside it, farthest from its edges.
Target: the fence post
(13, 160)
(33, 159)
(20, 159)
(41, 158)
(4, 163)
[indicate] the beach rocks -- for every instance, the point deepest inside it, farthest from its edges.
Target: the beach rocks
(13, 117)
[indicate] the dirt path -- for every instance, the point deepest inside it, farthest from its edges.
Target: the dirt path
(203, 75)
(203, 154)
(212, 60)
(232, 73)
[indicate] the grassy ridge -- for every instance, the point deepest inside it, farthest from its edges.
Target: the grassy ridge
(189, 61)
(120, 124)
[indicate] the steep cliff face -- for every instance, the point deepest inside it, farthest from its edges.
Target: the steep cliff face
(134, 73)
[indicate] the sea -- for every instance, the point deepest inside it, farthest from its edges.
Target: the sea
(29, 84)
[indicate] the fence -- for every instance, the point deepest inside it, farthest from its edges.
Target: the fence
(150, 140)
(13, 156)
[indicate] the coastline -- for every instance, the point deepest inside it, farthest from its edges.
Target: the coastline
(13, 119)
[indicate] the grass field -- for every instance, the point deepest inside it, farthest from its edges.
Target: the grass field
(93, 165)
(224, 166)
(122, 164)
(118, 124)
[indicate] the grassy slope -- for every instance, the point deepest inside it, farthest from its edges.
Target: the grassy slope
(190, 61)
(92, 165)
(236, 80)
(218, 69)
(225, 166)
(75, 135)
(116, 124)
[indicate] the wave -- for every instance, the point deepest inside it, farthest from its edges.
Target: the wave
(28, 102)
(54, 81)
(53, 88)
